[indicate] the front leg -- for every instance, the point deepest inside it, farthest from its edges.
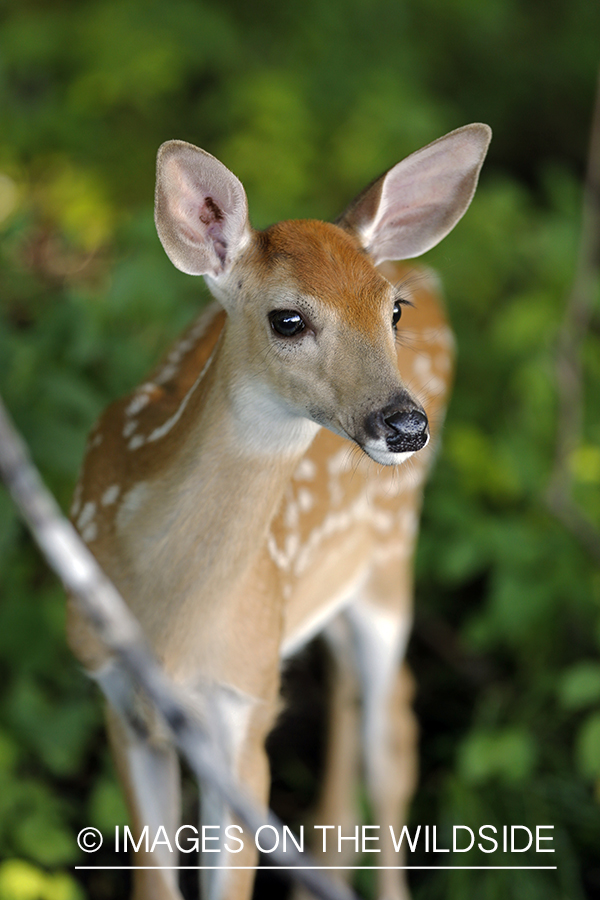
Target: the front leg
(380, 623)
(370, 721)
(240, 723)
(149, 771)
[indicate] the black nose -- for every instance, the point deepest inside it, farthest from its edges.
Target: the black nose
(406, 430)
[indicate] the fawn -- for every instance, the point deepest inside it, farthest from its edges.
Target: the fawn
(224, 499)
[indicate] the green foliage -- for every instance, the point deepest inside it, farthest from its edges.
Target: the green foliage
(20, 880)
(588, 747)
(579, 687)
(306, 103)
(507, 754)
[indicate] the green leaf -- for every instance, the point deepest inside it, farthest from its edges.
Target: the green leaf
(587, 747)
(107, 806)
(579, 686)
(508, 754)
(20, 880)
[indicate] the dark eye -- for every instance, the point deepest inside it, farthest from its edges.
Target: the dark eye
(286, 322)
(397, 313)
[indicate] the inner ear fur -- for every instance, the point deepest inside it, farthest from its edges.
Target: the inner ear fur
(201, 210)
(417, 202)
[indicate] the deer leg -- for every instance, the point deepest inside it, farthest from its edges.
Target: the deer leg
(380, 626)
(149, 771)
(337, 804)
(338, 801)
(240, 725)
(370, 704)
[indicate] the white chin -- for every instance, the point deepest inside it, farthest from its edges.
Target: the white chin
(379, 452)
(386, 457)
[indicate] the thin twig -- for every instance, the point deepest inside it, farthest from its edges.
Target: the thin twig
(569, 370)
(116, 626)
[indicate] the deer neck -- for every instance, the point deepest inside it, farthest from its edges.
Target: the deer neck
(237, 448)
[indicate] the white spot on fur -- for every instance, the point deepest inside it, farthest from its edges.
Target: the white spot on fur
(292, 545)
(136, 441)
(434, 386)
(142, 397)
(422, 365)
(140, 400)
(87, 514)
(164, 429)
(76, 504)
(182, 348)
(90, 533)
(110, 495)
(278, 556)
(96, 440)
(291, 514)
(306, 470)
(167, 373)
(132, 502)
(297, 557)
(305, 500)
(130, 428)
(361, 510)
(283, 558)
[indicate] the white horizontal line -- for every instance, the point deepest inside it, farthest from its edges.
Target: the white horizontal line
(318, 868)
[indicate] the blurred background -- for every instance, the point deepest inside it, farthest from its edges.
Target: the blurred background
(307, 102)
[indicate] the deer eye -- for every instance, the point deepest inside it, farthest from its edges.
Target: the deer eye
(397, 313)
(287, 322)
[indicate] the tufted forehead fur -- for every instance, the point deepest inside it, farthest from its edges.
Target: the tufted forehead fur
(328, 263)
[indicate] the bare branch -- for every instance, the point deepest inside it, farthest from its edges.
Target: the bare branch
(82, 576)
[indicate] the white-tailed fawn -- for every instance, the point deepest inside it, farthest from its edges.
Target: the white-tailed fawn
(264, 484)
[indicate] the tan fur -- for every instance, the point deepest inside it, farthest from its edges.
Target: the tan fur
(332, 262)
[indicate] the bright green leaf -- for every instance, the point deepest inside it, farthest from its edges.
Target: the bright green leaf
(579, 686)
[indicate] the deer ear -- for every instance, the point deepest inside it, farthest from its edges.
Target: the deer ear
(200, 210)
(419, 201)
